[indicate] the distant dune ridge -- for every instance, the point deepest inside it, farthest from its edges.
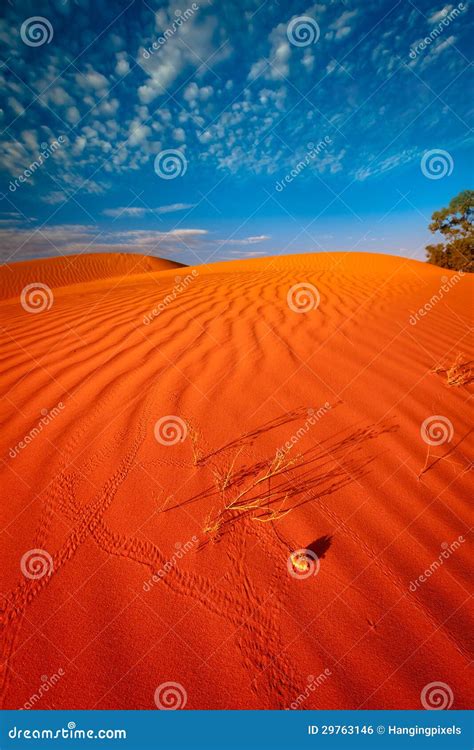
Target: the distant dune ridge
(77, 269)
(236, 485)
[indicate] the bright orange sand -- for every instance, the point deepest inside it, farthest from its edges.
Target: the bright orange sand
(112, 505)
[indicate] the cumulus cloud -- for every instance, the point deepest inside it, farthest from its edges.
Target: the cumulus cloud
(342, 26)
(122, 66)
(276, 65)
(176, 49)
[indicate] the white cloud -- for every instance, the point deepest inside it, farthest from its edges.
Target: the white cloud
(341, 28)
(440, 14)
(30, 140)
(179, 135)
(191, 92)
(205, 137)
(138, 132)
(205, 93)
(125, 212)
(343, 32)
(441, 46)
(139, 211)
(108, 107)
(248, 254)
(386, 164)
(174, 207)
(308, 60)
(72, 115)
(248, 240)
(54, 198)
(122, 66)
(276, 65)
(187, 47)
(58, 96)
(257, 69)
(344, 19)
(9, 222)
(92, 80)
(79, 145)
(15, 105)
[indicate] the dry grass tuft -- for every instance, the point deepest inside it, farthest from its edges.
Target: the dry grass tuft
(212, 526)
(195, 437)
(246, 495)
(457, 374)
(224, 475)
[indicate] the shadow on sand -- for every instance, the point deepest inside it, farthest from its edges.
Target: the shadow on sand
(267, 489)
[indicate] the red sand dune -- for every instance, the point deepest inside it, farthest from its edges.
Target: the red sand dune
(76, 269)
(112, 503)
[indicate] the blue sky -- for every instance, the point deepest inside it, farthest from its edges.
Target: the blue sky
(292, 127)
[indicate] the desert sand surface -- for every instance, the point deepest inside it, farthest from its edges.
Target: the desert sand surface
(76, 269)
(198, 446)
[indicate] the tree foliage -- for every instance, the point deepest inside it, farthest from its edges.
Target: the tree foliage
(456, 224)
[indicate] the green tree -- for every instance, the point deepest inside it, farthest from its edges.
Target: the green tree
(456, 225)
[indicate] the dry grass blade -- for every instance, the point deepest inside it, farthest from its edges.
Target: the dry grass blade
(457, 374)
(254, 499)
